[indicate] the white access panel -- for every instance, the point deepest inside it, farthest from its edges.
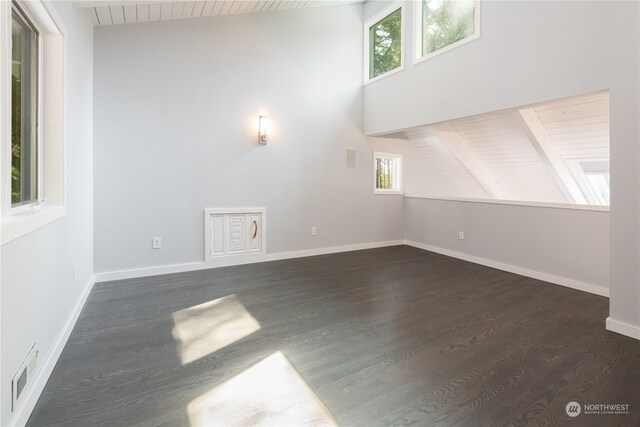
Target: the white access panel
(237, 233)
(255, 225)
(234, 231)
(217, 234)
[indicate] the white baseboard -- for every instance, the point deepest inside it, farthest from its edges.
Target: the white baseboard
(254, 258)
(22, 414)
(623, 328)
(236, 260)
(559, 280)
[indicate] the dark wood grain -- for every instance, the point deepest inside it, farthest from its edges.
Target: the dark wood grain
(391, 336)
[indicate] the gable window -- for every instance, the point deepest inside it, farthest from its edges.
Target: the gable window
(593, 178)
(387, 173)
(32, 109)
(383, 42)
(24, 110)
(600, 185)
(445, 24)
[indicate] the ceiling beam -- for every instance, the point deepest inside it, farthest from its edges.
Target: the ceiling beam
(539, 138)
(454, 143)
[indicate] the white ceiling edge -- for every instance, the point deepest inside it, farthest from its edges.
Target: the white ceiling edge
(92, 3)
(116, 12)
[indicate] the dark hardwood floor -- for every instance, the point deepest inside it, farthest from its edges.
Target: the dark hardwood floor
(391, 336)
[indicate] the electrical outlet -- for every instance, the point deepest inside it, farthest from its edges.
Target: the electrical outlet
(157, 243)
(74, 269)
(461, 235)
(314, 231)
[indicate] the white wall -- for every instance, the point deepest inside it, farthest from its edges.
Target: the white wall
(39, 295)
(566, 243)
(530, 52)
(176, 111)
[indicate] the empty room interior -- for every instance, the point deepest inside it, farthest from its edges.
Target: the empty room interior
(328, 213)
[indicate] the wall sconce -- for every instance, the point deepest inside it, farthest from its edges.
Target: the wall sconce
(262, 130)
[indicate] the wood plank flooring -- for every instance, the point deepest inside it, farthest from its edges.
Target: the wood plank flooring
(382, 337)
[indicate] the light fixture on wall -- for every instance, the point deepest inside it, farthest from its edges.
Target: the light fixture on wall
(263, 126)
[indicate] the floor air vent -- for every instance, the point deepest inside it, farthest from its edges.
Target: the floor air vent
(23, 378)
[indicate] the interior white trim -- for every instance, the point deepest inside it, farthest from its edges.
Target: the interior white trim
(239, 260)
(208, 212)
(22, 414)
(513, 202)
(398, 172)
(388, 10)
(18, 225)
(623, 328)
(382, 76)
(52, 168)
(257, 257)
(547, 277)
(417, 34)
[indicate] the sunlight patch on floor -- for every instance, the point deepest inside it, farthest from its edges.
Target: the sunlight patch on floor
(270, 393)
(203, 329)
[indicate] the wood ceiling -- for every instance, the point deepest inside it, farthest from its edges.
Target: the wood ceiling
(128, 12)
(533, 153)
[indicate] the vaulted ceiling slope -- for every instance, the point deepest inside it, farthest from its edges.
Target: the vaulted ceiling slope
(127, 12)
(554, 152)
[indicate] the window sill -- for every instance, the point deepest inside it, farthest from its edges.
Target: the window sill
(421, 58)
(19, 224)
(382, 76)
(388, 192)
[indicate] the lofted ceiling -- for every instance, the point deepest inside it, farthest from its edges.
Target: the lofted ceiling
(127, 12)
(548, 152)
(556, 151)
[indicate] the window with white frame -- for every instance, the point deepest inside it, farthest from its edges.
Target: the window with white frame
(387, 173)
(24, 109)
(445, 24)
(32, 115)
(383, 42)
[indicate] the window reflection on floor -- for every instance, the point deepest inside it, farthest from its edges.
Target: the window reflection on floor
(270, 393)
(203, 329)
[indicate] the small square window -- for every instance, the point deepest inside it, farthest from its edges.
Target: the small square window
(383, 42)
(387, 173)
(445, 24)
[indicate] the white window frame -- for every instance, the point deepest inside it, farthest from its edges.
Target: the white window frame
(51, 197)
(373, 20)
(397, 169)
(27, 205)
(417, 33)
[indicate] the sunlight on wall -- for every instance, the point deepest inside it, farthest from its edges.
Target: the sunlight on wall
(269, 393)
(203, 329)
